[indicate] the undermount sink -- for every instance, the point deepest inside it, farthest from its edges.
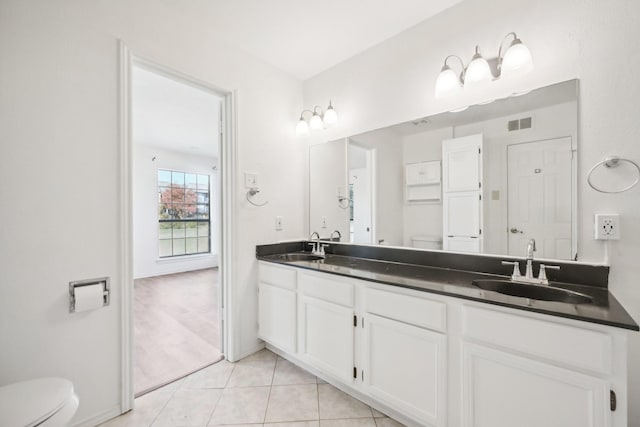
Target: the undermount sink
(538, 292)
(299, 257)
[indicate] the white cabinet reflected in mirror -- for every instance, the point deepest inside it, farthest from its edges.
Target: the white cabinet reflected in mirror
(483, 180)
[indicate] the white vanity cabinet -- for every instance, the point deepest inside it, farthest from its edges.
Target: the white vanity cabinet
(405, 357)
(436, 360)
(326, 320)
(277, 306)
(524, 371)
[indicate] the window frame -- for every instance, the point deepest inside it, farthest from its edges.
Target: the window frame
(183, 207)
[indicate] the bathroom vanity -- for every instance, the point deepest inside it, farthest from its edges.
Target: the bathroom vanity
(407, 332)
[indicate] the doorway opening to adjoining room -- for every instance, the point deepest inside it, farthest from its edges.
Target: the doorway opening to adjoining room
(176, 132)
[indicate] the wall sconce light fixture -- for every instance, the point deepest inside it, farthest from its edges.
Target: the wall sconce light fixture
(517, 60)
(318, 120)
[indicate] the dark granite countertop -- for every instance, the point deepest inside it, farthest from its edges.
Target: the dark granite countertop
(604, 309)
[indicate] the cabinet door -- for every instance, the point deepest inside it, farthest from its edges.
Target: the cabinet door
(462, 214)
(326, 337)
(504, 390)
(405, 367)
(462, 163)
(462, 221)
(277, 316)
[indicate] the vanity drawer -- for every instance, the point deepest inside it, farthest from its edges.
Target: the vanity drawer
(275, 275)
(408, 309)
(327, 287)
(573, 346)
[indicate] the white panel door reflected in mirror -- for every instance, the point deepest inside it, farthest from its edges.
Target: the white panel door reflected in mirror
(529, 183)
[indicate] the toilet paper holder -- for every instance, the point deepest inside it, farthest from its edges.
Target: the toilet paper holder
(106, 291)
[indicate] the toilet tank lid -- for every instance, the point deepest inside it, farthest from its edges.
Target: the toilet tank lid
(28, 403)
(425, 238)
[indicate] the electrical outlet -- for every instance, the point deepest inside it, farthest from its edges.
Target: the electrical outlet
(278, 223)
(607, 226)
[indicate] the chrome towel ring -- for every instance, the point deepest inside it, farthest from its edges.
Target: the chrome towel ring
(613, 162)
(252, 192)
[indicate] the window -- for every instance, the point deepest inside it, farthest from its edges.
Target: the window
(184, 226)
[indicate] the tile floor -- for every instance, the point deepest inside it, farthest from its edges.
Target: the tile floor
(260, 390)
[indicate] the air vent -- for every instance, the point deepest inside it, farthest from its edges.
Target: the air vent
(520, 124)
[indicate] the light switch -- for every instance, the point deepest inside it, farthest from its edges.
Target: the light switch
(250, 180)
(278, 223)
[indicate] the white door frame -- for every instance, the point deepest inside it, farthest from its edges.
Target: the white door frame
(226, 210)
(372, 162)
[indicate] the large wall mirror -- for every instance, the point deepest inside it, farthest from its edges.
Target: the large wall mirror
(485, 179)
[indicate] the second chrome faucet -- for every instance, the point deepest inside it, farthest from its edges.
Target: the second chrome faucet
(529, 277)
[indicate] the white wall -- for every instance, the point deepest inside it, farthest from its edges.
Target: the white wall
(60, 169)
(423, 219)
(582, 39)
(146, 262)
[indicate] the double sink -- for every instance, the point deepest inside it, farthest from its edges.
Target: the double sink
(504, 287)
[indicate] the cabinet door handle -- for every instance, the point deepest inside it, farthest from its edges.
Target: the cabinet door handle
(613, 401)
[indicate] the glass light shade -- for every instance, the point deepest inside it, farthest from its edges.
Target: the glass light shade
(478, 71)
(447, 83)
(302, 128)
(330, 116)
(517, 59)
(316, 122)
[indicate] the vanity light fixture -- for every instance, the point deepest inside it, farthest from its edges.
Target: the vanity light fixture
(449, 82)
(478, 70)
(319, 119)
(517, 60)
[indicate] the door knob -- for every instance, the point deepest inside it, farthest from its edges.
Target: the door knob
(516, 231)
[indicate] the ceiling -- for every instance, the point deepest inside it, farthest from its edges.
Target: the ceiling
(304, 38)
(174, 115)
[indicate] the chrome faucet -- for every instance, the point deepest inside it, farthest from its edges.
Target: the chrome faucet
(317, 248)
(528, 275)
(531, 248)
(335, 232)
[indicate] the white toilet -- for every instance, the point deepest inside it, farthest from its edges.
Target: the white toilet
(426, 242)
(42, 402)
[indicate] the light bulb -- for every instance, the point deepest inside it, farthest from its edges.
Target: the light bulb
(447, 83)
(302, 128)
(330, 116)
(517, 60)
(478, 70)
(316, 122)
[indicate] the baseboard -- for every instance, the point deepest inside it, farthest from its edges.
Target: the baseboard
(99, 418)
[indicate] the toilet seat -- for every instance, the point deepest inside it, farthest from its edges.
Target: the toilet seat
(39, 402)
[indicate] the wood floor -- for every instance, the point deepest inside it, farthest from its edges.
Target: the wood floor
(176, 327)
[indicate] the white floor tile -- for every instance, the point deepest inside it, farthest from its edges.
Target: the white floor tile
(226, 394)
(349, 422)
(335, 404)
(188, 408)
(245, 405)
(287, 373)
(214, 376)
(293, 403)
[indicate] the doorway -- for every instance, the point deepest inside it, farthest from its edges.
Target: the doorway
(540, 197)
(176, 133)
(361, 195)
